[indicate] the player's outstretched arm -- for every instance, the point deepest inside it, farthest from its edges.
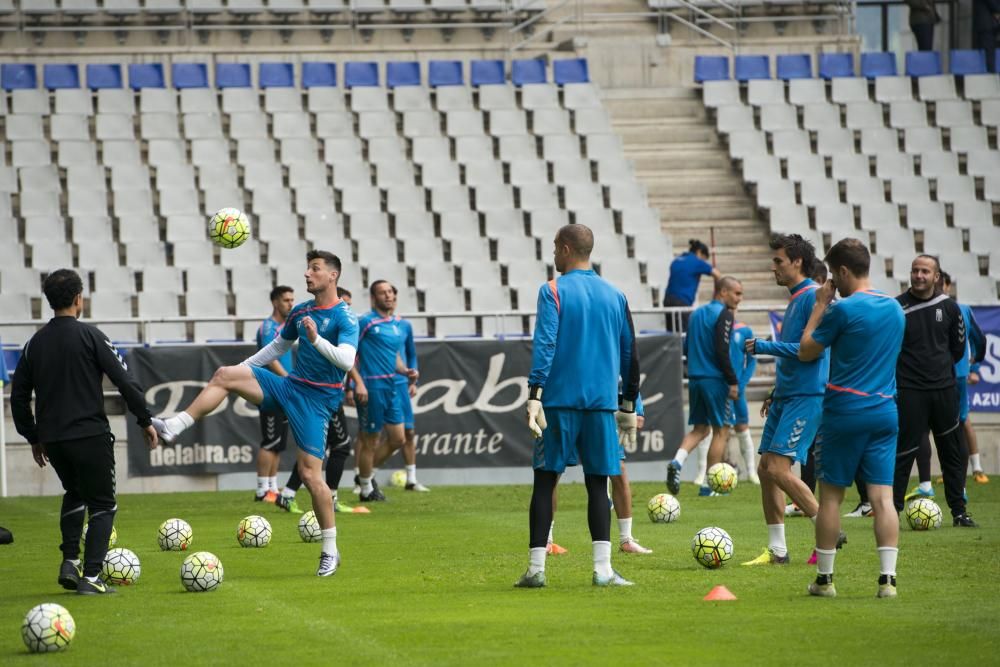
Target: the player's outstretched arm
(270, 352)
(775, 348)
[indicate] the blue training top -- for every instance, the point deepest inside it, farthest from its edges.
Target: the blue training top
(337, 324)
(794, 377)
(268, 330)
(379, 342)
(707, 343)
(685, 272)
(864, 333)
(743, 364)
(409, 349)
(975, 344)
(583, 344)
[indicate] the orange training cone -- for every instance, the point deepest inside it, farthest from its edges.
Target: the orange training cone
(719, 593)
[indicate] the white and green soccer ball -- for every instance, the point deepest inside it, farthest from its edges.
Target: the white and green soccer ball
(201, 571)
(121, 567)
(712, 547)
(663, 508)
(923, 514)
(112, 541)
(309, 529)
(398, 479)
(174, 535)
(47, 627)
(722, 477)
(254, 531)
(229, 228)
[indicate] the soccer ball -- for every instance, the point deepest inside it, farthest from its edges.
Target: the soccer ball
(309, 529)
(663, 508)
(112, 541)
(712, 547)
(121, 567)
(923, 514)
(201, 571)
(47, 627)
(229, 228)
(254, 531)
(398, 479)
(175, 535)
(722, 478)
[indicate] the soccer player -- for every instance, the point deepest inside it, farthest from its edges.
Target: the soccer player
(796, 409)
(712, 380)
(928, 397)
(864, 333)
(64, 364)
(584, 344)
(686, 271)
(745, 364)
(327, 332)
(273, 425)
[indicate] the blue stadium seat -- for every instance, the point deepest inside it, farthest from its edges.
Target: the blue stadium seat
(711, 68)
(528, 71)
(923, 63)
(276, 75)
(61, 76)
(486, 73)
(996, 61)
(17, 76)
(445, 73)
(145, 75)
(746, 68)
(102, 75)
(315, 75)
(878, 63)
(232, 75)
(794, 66)
(570, 70)
(190, 75)
(968, 61)
(360, 74)
(402, 74)
(836, 65)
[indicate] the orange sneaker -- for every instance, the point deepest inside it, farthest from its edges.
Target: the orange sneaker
(980, 477)
(271, 497)
(554, 549)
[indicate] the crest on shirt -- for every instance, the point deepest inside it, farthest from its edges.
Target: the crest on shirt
(324, 324)
(938, 315)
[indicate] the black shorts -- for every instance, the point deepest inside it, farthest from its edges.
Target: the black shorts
(273, 431)
(337, 436)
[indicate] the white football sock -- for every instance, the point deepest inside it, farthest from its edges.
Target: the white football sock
(366, 485)
(703, 447)
(536, 560)
(602, 559)
(329, 540)
(625, 529)
(974, 460)
(262, 486)
(926, 486)
(747, 450)
(272, 483)
(776, 539)
(287, 493)
(681, 456)
(179, 422)
(411, 474)
(887, 560)
(552, 527)
(824, 560)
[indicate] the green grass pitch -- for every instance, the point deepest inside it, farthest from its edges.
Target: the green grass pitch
(427, 579)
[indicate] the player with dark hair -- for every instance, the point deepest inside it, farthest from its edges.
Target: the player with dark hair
(584, 344)
(64, 365)
(686, 271)
(712, 381)
(273, 425)
(928, 396)
(863, 331)
(794, 416)
(327, 333)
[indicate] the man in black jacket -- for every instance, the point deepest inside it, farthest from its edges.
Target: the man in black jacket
(927, 395)
(64, 364)
(985, 24)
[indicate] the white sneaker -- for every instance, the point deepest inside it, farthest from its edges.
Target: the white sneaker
(416, 486)
(166, 435)
(630, 546)
(328, 564)
(791, 509)
(862, 510)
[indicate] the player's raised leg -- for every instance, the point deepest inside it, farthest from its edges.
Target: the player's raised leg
(238, 379)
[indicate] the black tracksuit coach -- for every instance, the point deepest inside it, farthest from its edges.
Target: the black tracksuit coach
(64, 364)
(927, 396)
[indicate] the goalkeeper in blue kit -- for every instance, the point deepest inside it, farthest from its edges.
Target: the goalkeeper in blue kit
(584, 343)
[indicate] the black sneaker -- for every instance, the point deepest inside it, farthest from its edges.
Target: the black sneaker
(673, 477)
(69, 575)
(841, 540)
(373, 497)
(88, 587)
(963, 520)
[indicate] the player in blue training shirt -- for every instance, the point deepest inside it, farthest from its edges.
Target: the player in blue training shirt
(327, 332)
(273, 425)
(686, 271)
(380, 345)
(712, 380)
(744, 364)
(864, 332)
(584, 344)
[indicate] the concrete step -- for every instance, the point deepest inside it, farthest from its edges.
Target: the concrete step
(706, 208)
(671, 157)
(692, 186)
(694, 133)
(738, 232)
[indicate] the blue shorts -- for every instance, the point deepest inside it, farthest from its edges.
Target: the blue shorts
(708, 402)
(860, 442)
(405, 404)
(382, 408)
(308, 411)
(740, 412)
(963, 398)
(791, 426)
(589, 437)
